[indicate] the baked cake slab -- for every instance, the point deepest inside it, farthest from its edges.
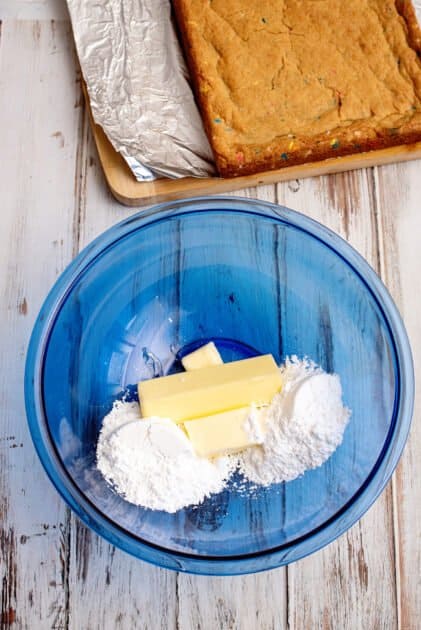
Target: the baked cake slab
(283, 82)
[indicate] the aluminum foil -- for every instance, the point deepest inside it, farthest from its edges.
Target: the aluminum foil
(138, 86)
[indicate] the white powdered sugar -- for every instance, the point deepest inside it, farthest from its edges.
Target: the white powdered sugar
(151, 462)
(304, 425)
(253, 424)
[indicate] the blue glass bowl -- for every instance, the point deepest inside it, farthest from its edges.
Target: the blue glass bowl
(256, 278)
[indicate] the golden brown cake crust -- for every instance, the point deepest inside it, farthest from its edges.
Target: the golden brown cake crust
(283, 82)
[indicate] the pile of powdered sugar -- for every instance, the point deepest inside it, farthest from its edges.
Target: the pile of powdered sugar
(304, 425)
(151, 462)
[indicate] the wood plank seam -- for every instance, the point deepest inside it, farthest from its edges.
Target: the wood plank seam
(379, 268)
(65, 565)
(177, 602)
(80, 175)
(372, 187)
(396, 551)
(80, 182)
(287, 625)
(352, 567)
(383, 274)
(79, 191)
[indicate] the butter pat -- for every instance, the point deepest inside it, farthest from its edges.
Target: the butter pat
(203, 357)
(226, 432)
(211, 390)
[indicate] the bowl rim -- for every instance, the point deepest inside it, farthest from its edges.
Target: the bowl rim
(296, 549)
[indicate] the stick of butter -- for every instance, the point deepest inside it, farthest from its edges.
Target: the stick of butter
(226, 432)
(203, 357)
(211, 390)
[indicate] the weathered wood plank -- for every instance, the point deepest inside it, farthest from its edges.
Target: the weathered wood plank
(246, 602)
(38, 144)
(108, 589)
(218, 601)
(338, 587)
(241, 602)
(399, 214)
(33, 10)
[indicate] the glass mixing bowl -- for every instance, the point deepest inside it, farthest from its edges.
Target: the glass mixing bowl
(256, 278)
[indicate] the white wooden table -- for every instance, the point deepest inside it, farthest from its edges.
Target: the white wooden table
(54, 573)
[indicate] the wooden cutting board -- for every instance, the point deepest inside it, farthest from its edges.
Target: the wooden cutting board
(130, 192)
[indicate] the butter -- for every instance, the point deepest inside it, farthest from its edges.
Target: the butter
(211, 390)
(203, 357)
(226, 432)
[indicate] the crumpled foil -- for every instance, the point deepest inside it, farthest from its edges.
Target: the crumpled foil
(138, 86)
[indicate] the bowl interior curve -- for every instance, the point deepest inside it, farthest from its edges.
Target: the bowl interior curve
(255, 284)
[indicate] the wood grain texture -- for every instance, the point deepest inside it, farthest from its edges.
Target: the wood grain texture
(112, 591)
(398, 195)
(244, 603)
(234, 602)
(38, 146)
(107, 588)
(33, 10)
(339, 586)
